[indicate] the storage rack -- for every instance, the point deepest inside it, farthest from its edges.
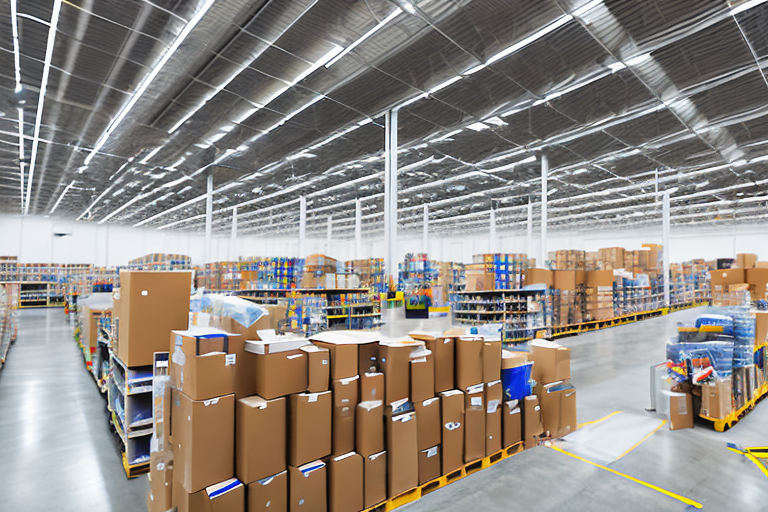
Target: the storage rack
(522, 313)
(7, 326)
(40, 294)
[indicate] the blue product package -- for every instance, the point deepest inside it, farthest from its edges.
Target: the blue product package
(515, 381)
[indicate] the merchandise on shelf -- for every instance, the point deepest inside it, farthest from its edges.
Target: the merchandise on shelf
(497, 272)
(371, 273)
(7, 325)
(522, 314)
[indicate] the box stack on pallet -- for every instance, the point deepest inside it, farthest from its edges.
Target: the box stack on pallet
(568, 260)
(371, 272)
(161, 261)
(345, 421)
(270, 273)
(497, 271)
(324, 272)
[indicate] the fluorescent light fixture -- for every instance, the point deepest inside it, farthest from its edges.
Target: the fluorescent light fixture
(186, 117)
(559, 22)
(408, 6)
(66, 189)
(586, 7)
(228, 128)
(335, 51)
(412, 100)
(176, 223)
(759, 159)
(444, 84)
(223, 156)
(41, 98)
(242, 148)
(215, 138)
(300, 155)
(478, 127)
(472, 71)
(176, 182)
(17, 65)
(616, 66)
(151, 76)
(177, 163)
(202, 145)
(579, 171)
(365, 121)
(447, 135)
(82, 169)
(21, 154)
(702, 184)
(634, 61)
(394, 14)
(739, 163)
(744, 6)
(150, 155)
(246, 114)
(495, 120)
(165, 212)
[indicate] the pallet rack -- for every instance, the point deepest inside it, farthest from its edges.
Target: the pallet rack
(523, 313)
(40, 294)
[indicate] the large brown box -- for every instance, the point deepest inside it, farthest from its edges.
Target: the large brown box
(493, 419)
(203, 440)
(491, 360)
(443, 351)
(469, 361)
(429, 464)
(368, 357)
(598, 278)
(452, 412)
(318, 368)
(160, 481)
(227, 496)
(474, 423)
(538, 276)
(344, 402)
(371, 387)
(428, 414)
(375, 474)
(532, 426)
(403, 454)
(512, 424)
(716, 399)
(343, 352)
(680, 411)
(422, 378)
(345, 483)
(307, 490)
(245, 384)
(309, 418)
(269, 494)
(280, 368)
(150, 305)
(558, 408)
(394, 358)
(260, 441)
(369, 434)
(551, 362)
(746, 260)
(201, 365)
(727, 276)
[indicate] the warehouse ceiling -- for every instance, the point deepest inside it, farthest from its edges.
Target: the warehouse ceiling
(116, 111)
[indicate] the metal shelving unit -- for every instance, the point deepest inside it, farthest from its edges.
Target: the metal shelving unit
(522, 313)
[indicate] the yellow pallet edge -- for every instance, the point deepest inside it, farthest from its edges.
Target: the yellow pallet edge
(720, 424)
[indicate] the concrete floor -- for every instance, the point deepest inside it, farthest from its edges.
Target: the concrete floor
(56, 449)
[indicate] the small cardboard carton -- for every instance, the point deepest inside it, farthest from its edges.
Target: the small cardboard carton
(281, 367)
(160, 481)
(345, 349)
(474, 423)
(226, 496)
(318, 368)
(551, 361)
(442, 348)
(428, 414)
(558, 407)
(269, 494)
(452, 412)
(201, 365)
(375, 475)
(345, 483)
(307, 487)
(369, 434)
(512, 424)
(203, 440)
(344, 402)
(429, 464)
(716, 399)
(371, 386)
(309, 419)
(260, 441)
(394, 358)
(532, 426)
(493, 418)
(422, 376)
(403, 454)
(491, 360)
(469, 361)
(680, 411)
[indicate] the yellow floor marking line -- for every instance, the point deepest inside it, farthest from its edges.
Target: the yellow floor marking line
(598, 421)
(683, 499)
(649, 434)
(757, 463)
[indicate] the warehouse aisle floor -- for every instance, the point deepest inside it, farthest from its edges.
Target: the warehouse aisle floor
(56, 450)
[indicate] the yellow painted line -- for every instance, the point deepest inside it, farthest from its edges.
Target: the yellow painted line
(598, 421)
(643, 439)
(757, 463)
(671, 494)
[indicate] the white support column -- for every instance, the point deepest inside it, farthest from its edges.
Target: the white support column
(233, 241)
(358, 229)
(665, 243)
(544, 172)
(734, 233)
(529, 231)
(492, 232)
(302, 225)
(208, 219)
(425, 234)
(390, 193)
(329, 235)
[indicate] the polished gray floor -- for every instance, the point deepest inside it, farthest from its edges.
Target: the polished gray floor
(56, 452)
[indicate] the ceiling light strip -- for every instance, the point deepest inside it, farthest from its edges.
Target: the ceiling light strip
(394, 14)
(66, 189)
(151, 76)
(15, 33)
(21, 155)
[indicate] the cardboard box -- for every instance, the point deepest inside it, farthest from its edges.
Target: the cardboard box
(512, 359)
(395, 364)
(160, 481)
(474, 423)
(564, 279)
(680, 411)
(318, 368)
(368, 356)
(429, 429)
(151, 305)
(494, 393)
(539, 276)
(375, 475)
(532, 426)
(280, 368)
(344, 402)
(307, 490)
(226, 496)
(371, 386)
(469, 361)
(757, 278)
(551, 362)
(558, 408)
(403, 454)
(369, 434)
(345, 483)
(343, 352)
(716, 399)
(512, 424)
(422, 377)
(491, 360)
(429, 464)
(746, 260)
(309, 417)
(727, 277)
(598, 278)
(479, 279)
(203, 440)
(260, 441)
(442, 350)
(269, 494)
(452, 413)
(201, 365)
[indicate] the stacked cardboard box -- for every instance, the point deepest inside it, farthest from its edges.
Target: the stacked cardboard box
(320, 271)
(729, 287)
(568, 260)
(497, 271)
(599, 295)
(556, 394)
(570, 297)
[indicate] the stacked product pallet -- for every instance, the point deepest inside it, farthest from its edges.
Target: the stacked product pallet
(497, 272)
(270, 273)
(161, 261)
(324, 272)
(345, 421)
(371, 272)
